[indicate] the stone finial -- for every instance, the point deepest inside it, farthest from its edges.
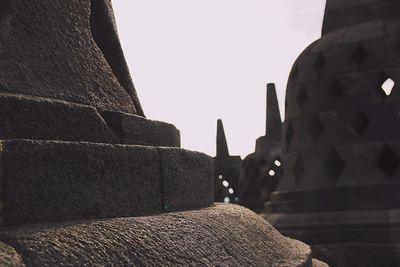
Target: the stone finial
(274, 122)
(222, 145)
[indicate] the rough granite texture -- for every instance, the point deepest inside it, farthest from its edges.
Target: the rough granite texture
(133, 129)
(31, 117)
(28, 117)
(104, 31)
(9, 257)
(46, 181)
(186, 179)
(317, 263)
(224, 235)
(47, 50)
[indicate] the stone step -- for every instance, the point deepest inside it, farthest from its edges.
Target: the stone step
(30, 117)
(132, 129)
(47, 181)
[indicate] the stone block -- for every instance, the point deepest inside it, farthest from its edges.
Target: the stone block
(29, 117)
(46, 181)
(137, 130)
(188, 179)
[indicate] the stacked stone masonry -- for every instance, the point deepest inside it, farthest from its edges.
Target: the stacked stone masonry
(85, 178)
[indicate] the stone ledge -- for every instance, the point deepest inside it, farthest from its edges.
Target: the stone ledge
(133, 129)
(30, 117)
(368, 227)
(46, 181)
(223, 235)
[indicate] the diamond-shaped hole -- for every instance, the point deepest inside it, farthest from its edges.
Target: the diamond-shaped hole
(387, 86)
(319, 63)
(302, 97)
(298, 170)
(359, 55)
(336, 89)
(316, 128)
(388, 161)
(359, 124)
(333, 166)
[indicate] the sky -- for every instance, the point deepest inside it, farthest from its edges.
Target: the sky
(196, 61)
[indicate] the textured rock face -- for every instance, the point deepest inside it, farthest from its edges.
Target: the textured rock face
(47, 181)
(76, 146)
(47, 50)
(9, 257)
(341, 137)
(225, 235)
(341, 126)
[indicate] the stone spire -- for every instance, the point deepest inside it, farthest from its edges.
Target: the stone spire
(274, 123)
(256, 186)
(222, 145)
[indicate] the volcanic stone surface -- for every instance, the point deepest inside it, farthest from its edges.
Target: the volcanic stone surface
(48, 50)
(9, 257)
(223, 235)
(31, 117)
(341, 157)
(46, 181)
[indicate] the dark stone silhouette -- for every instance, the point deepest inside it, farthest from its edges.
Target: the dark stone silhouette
(227, 170)
(75, 176)
(262, 169)
(341, 180)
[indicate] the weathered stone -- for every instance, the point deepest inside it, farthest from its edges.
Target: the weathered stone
(45, 181)
(341, 158)
(48, 50)
(30, 117)
(66, 103)
(132, 129)
(224, 235)
(53, 181)
(9, 257)
(317, 263)
(187, 179)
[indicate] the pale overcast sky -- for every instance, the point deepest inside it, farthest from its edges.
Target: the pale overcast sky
(195, 61)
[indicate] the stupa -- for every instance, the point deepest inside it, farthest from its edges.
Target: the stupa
(86, 179)
(227, 170)
(262, 169)
(341, 155)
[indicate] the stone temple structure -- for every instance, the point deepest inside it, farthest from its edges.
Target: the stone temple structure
(227, 170)
(86, 179)
(262, 169)
(341, 154)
